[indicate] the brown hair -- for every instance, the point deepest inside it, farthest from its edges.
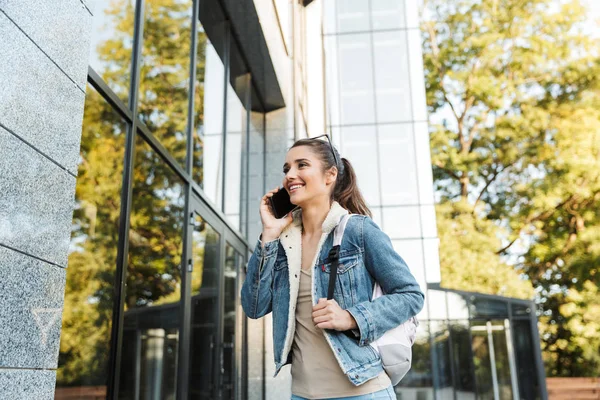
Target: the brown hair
(345, 190)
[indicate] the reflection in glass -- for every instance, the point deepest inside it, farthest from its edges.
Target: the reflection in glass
(482, 307)
(89, 292)
(352, 15)
(482, 361)
(502, 361)
(236, 132)
(233, 262)
(151, 320)
(355, 79)
(442, 362)
(418, 382)
(462, 359)
(211, 163)
(253, 176)
(525, 359)
(205, 310)
(392, 78)
(164, 74)
(112, 44)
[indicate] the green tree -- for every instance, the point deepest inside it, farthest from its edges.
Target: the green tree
(513, 96)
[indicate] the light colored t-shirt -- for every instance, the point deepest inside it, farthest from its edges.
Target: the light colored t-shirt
(316, 373)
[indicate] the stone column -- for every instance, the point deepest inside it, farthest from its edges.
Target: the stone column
(43, 70)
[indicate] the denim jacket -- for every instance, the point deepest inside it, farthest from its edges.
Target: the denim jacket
(366, 255)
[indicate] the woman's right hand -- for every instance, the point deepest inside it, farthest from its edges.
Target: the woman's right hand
(272, 227)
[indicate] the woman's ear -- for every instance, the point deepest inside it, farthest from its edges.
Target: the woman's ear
(331, 175)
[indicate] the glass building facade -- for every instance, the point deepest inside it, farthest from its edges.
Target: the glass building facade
(190, 106)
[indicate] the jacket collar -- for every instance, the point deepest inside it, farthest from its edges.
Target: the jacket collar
(291, 240)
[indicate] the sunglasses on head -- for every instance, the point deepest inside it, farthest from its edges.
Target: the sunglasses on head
(337, 162)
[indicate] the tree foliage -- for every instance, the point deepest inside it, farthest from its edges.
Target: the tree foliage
(514, 102)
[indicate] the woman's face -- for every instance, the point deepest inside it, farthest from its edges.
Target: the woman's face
(304, 178)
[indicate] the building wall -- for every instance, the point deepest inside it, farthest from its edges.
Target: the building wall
(377, 115)
(43, 70)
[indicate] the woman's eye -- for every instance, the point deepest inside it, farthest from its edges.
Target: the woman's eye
(285, 170)
(302, 165)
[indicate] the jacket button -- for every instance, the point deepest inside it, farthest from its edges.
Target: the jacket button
(296, 275)
(356, 376)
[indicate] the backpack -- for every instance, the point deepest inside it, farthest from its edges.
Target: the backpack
(395, 346)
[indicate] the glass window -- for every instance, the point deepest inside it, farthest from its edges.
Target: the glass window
(112, 44)
(352, 15)
(525, 359)
(502, 358)
(482, 307)
(151, 318)
(356, 79)
(392, 80)
(332, 80)
(457, 306)
(521, 310)
(417, 77)
(418, 382)
(437, 299)
(402, 222)
(398, 165)
(90, 286)
(428, 221)
(359, 146)
(462, 359)
(440, 336)
(236, 132)
(388, 14)
(204, 309)
(208, 106)
(482, 361)
(376, 211)
(211, 163)
(231, 328)
(431, 252)
(254, 176)
(165, 73)
(424, 168)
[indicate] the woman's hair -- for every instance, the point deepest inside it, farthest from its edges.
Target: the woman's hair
(345, 190)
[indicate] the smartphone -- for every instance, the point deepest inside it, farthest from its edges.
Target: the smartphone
(281, 204)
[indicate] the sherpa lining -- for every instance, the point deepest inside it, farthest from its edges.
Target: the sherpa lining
(291, 240)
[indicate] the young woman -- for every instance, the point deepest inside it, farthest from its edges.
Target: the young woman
(327, 341)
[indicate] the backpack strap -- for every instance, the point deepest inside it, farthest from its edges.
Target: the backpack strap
(334, 253)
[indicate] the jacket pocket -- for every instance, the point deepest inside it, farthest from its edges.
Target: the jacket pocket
(345, 285)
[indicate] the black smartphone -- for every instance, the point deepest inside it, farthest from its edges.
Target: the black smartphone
(281, 204)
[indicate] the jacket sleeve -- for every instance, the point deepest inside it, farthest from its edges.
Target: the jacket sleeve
(403, 298)
(257, 290)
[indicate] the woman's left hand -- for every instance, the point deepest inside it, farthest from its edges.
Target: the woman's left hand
(327, 314)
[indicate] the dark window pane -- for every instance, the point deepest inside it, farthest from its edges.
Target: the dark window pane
(525, 358)
(521, 310)
(205, 311)
(442, 363)
(482, 361)
(164, 74)
(151, 319)
(462, 359)
(89, 293)
(486, 308)
(233, 262)
(502, 359)
(112, 43)
(418, 382)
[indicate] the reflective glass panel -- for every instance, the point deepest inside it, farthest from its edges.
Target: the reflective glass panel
(236, 133)
(462, 359)
(402, 222)
(482, 307)
(151, 315)
(112, 44)
(211, 163)
(388, 14)
(231, 326)
(90, 285)
(392, 79)
(352, 15)
(397, 152)
(442, 363)
(359, 145)
(205, 310)
(254, 175)
(165, 73)
(502, 359)
(356, 79)
(482, 361)
(525, 359)
(437, 304)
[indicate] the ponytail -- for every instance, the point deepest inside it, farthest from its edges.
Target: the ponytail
(347, 193)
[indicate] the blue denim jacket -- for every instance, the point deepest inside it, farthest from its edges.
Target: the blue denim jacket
(366, 253)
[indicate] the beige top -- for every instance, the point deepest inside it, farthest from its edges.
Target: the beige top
(316, 373)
